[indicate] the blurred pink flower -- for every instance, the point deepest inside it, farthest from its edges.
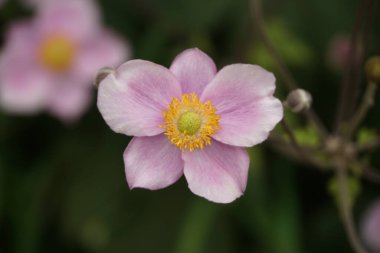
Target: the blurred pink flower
(370, 229)
(49, 62)
(190, 120)
(338, 51)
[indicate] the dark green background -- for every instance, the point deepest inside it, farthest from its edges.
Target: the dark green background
(63, 189)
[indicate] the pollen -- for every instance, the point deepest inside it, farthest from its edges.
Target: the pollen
(189, 123)
(57, 53)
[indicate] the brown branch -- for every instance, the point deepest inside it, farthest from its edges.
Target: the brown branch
(288, 78)
(316, 122)
(366, 104)
(302, 154)
(350, 82)
(346, 209)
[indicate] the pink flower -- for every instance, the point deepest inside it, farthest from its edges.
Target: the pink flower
(190, 120)
(371, 226)
(49, 62)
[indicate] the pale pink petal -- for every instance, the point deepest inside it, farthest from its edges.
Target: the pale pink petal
(371, 226)
(152, 162)
(242, 95)
(78, 19)
(218, 172)
(103, 50)
(194, 69)
(69, 100)
(133, 99)
(24, 88)
(22, 39)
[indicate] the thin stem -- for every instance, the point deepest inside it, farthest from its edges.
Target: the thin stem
(302, 154)
(289, 80)
(313, 118)
(366, 104)
(350, 82)
(345, 209)
(291, 135)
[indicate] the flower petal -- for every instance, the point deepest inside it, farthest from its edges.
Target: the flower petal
(69, 100)
(242, 95)
(24, 88)
(152, 162)
(194, 69)
(77, 19)
(132, 100)
(218, 172)
(22, 38)
(103, 50)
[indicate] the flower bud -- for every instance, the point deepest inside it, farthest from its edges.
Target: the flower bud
(338, 52)
(372, 69)
(102, 74)
(299, 100)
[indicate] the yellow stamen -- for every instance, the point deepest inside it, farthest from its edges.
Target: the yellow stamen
(189, 123)
(57, 53)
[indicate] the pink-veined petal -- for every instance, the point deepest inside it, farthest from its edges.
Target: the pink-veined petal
(194, 69)
(152, 162)
(218, 173)
(243, 97)
(132, 99)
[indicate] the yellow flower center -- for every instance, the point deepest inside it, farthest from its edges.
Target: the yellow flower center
(57, 53)
(189, 123)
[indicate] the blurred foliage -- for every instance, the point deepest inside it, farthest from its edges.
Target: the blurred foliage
(292, 50)
(353, 189)
(63, 189)
(366, 135)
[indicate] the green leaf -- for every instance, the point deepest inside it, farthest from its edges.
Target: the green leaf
(354, 189)
(292, 49)
(366, 135)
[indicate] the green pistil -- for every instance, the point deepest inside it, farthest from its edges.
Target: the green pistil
(189, 122)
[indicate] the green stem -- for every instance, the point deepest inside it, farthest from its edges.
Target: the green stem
(345, 208)
(366, 104)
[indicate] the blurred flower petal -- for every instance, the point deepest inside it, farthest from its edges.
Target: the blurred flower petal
(77, 19)
(24, 87)
(103, 50)
(69, 100)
